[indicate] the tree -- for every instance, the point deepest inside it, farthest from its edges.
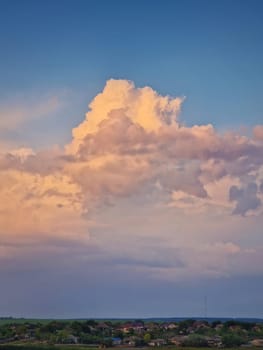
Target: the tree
(147, 337)
(216, 323)
(117, 334)
(232, 340)
(184, 325)
(195, 340)
(62, 336)
(107, 342)
(76, 327)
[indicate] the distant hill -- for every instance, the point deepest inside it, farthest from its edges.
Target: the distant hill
(151, 319)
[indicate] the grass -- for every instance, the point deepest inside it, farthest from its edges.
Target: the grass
(81, 347)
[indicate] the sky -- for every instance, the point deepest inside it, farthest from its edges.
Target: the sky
(131, 158)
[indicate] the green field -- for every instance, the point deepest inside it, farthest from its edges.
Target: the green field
(81, 347)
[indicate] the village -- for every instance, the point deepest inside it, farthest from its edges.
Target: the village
(136, 333)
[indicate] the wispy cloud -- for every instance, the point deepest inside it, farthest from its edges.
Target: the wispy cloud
(14, 115)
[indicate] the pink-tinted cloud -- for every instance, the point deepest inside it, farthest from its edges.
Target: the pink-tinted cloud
(258, 132)
(132, 147)
(133, 136)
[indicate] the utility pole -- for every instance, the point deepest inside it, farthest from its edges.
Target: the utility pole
(205, 306)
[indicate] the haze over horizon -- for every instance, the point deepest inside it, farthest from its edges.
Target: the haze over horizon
(131, 159)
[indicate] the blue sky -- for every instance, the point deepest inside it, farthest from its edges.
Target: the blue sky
(137, 212)
(210, 52)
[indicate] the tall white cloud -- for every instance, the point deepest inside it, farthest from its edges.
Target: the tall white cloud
(131, 146)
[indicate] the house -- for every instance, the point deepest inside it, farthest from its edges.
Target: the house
(256, 328)
(71, 339)
(169, 326)
(157, 342)
(178, 341)
(164, 325)
(214, 342)
(131, 341)
(126, 327)
(257, 342)
(200, 325)
(138, 327)
(116, 341)
(219, 326)
(172, 326)
(102, 326)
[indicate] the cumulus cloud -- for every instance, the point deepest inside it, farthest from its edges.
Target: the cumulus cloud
(132, 137)
(143, 106)
(131, 145)
(131, 141)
